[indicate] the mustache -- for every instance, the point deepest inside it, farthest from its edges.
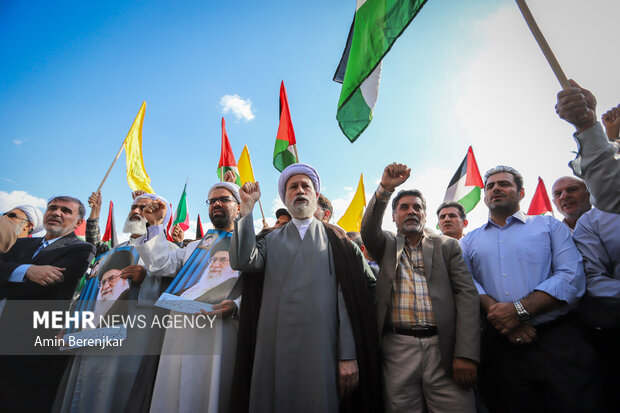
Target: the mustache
(301, 198)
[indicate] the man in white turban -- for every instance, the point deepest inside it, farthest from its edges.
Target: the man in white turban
(31, 219)
(19, 222)
(114, 374)
(315, 339)
(194, 382)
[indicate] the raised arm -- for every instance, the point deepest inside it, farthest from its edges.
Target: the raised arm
(595, 163)
(245, 254)
(372, 234)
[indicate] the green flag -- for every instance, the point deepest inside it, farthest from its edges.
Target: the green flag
(376, 26)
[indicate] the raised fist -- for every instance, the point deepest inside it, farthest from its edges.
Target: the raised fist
(577, 106)
(94, 201)
(155, 212)
(177, 233)
(394, 175)
(230, 176)
(250, 192)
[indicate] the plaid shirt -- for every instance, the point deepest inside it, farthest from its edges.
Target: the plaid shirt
(411, 303)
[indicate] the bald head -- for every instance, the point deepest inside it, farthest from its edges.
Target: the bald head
(571, 197)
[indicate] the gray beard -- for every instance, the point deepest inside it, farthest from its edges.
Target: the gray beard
(135, 227)
(302, 210)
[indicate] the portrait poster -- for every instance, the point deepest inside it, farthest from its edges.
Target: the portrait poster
(105, 292)
(206, 277)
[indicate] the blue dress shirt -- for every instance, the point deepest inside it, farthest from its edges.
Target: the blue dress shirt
(597, 235)
(528, 253)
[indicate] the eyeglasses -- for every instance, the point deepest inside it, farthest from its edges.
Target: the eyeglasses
(13, 215)
(221, 260)
(221, 200)
(110, 280)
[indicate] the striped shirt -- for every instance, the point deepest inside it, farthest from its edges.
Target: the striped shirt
(411, 303)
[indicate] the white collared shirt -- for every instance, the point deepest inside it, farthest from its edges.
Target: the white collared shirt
(302, 225)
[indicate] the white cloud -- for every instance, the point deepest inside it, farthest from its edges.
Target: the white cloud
(8, 180)
(18, 141)
(241, 108)
(9, 200)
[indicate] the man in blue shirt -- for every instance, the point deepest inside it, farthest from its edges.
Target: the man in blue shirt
(596, 236)
(529, 274)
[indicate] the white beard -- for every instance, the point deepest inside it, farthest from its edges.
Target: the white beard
(135, 227)
(301, 210)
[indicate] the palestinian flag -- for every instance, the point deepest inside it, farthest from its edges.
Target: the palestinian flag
(199, 231)
(227, 159)
(540, 202)
(80, 231)
(284, 153)
(466, 184)
(181, 216)
(109, 236)
(376, 26)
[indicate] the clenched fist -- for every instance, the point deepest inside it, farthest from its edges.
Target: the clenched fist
(394, 175)
(155, 212)
(250, 194)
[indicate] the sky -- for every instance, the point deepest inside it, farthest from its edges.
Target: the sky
(74, 75)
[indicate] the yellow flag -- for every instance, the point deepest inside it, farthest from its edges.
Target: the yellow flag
(352, 218)
(245, 166)
(137, 177)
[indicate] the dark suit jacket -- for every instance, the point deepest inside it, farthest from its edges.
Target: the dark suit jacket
(68, 252)
(454, 297)
(21, 374)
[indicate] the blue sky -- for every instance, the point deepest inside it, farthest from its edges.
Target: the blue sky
(464, 73)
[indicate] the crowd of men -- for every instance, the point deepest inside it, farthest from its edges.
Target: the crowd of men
(519, 315)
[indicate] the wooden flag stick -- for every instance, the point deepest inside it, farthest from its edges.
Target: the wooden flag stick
(111, 166)
(542, 43)
(296, 154)
(259, 203)
(263, 214)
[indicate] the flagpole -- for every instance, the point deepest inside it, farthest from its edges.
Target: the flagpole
(542, 43)
(111, 166)
(260, 205)
(296, 154)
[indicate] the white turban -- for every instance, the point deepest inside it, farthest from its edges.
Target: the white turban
(233, 188)
(154, 197)
(294, 169)
(34, 215)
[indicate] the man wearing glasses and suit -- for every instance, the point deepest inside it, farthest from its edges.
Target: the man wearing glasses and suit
(45, 268)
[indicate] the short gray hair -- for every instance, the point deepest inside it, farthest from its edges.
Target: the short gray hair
(65, 198)
(408, 192)
(505, 169)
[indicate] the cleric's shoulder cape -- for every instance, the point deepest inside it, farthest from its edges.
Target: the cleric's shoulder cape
(360, 306)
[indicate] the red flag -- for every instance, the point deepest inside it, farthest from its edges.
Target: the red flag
(284, 151)
(227, 159)
(540, 202)
(199, 231)
(473, 177)
(80, 231)
(109, 235)
(169, 227)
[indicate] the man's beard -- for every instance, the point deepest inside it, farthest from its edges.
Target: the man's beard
(301, 210)
(135, 227)
(220, 221)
